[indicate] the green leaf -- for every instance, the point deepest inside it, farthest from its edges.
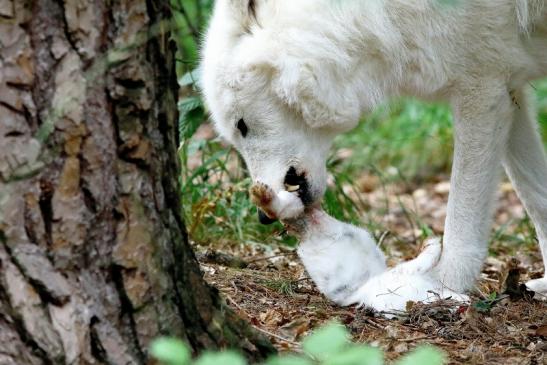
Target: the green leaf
(191, 116)
(218, 358)
(189, 123)
(288, 360)
(424, 355)
(190, 78)
(485, 305)
(170, 351)
(189, 103)
(357, 355)
(326, 341)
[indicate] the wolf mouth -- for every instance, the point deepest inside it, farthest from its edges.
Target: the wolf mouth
(294, 182)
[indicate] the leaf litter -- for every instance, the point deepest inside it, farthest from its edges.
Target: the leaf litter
(269, 287)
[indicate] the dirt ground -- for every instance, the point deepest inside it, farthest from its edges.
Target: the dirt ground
(269, 287)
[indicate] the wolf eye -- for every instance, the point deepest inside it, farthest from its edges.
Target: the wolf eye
(242, 127)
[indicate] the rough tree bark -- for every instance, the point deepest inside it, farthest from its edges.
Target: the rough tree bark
(94, 257)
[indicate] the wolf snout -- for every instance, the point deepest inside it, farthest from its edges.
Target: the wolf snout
(297, 182)
(283, 205)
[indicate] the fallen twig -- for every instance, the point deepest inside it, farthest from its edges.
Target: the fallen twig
(296, 344)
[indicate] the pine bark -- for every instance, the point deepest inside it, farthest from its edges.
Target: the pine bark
(94, 257)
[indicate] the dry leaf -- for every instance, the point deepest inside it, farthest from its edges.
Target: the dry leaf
(293, 330)
(542, 331)
(271, 317)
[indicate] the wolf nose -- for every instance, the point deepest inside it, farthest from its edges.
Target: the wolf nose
(297, 182)
(293, 179)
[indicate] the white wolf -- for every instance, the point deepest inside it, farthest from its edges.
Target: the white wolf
(283, 77)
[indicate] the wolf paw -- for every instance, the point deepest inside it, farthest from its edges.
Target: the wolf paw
(391, 291)
(538, 286)
(262, 195)
(285, 205)
(425, 261)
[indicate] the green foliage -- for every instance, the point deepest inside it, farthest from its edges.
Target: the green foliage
(515, 235)
(217, 358)
(326, 342)
(485, 305)
(413, 136)
(336, 201)
(190, 18)
(216, 200)
(423, 355)
(329, 345)
(289, 360)
(540, 88)
(190, 78)
(191, 115)
(170, 351)
(356, 355)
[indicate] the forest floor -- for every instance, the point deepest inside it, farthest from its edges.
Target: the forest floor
(269, 287)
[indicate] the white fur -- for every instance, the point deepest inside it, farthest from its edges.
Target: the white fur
(348, 267)
(300, 72)
(287, 205)
(339, 257)
(409, 281)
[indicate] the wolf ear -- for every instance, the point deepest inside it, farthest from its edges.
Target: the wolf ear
(245, 8)
(321, 99)
(244, 11)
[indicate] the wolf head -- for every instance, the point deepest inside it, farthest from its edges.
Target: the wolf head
(270, 100)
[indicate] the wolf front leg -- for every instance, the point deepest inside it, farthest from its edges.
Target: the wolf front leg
(526, 165)
(483, 114)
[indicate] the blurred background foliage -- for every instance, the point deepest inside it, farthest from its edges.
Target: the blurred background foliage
(404, 141)
(329, 345)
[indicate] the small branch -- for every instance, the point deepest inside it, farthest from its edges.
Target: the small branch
(233, 301)
(423, 337)
(382, 238)
(291, 253)
(296, 344)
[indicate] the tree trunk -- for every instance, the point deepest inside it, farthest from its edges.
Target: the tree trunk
(94, 257)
